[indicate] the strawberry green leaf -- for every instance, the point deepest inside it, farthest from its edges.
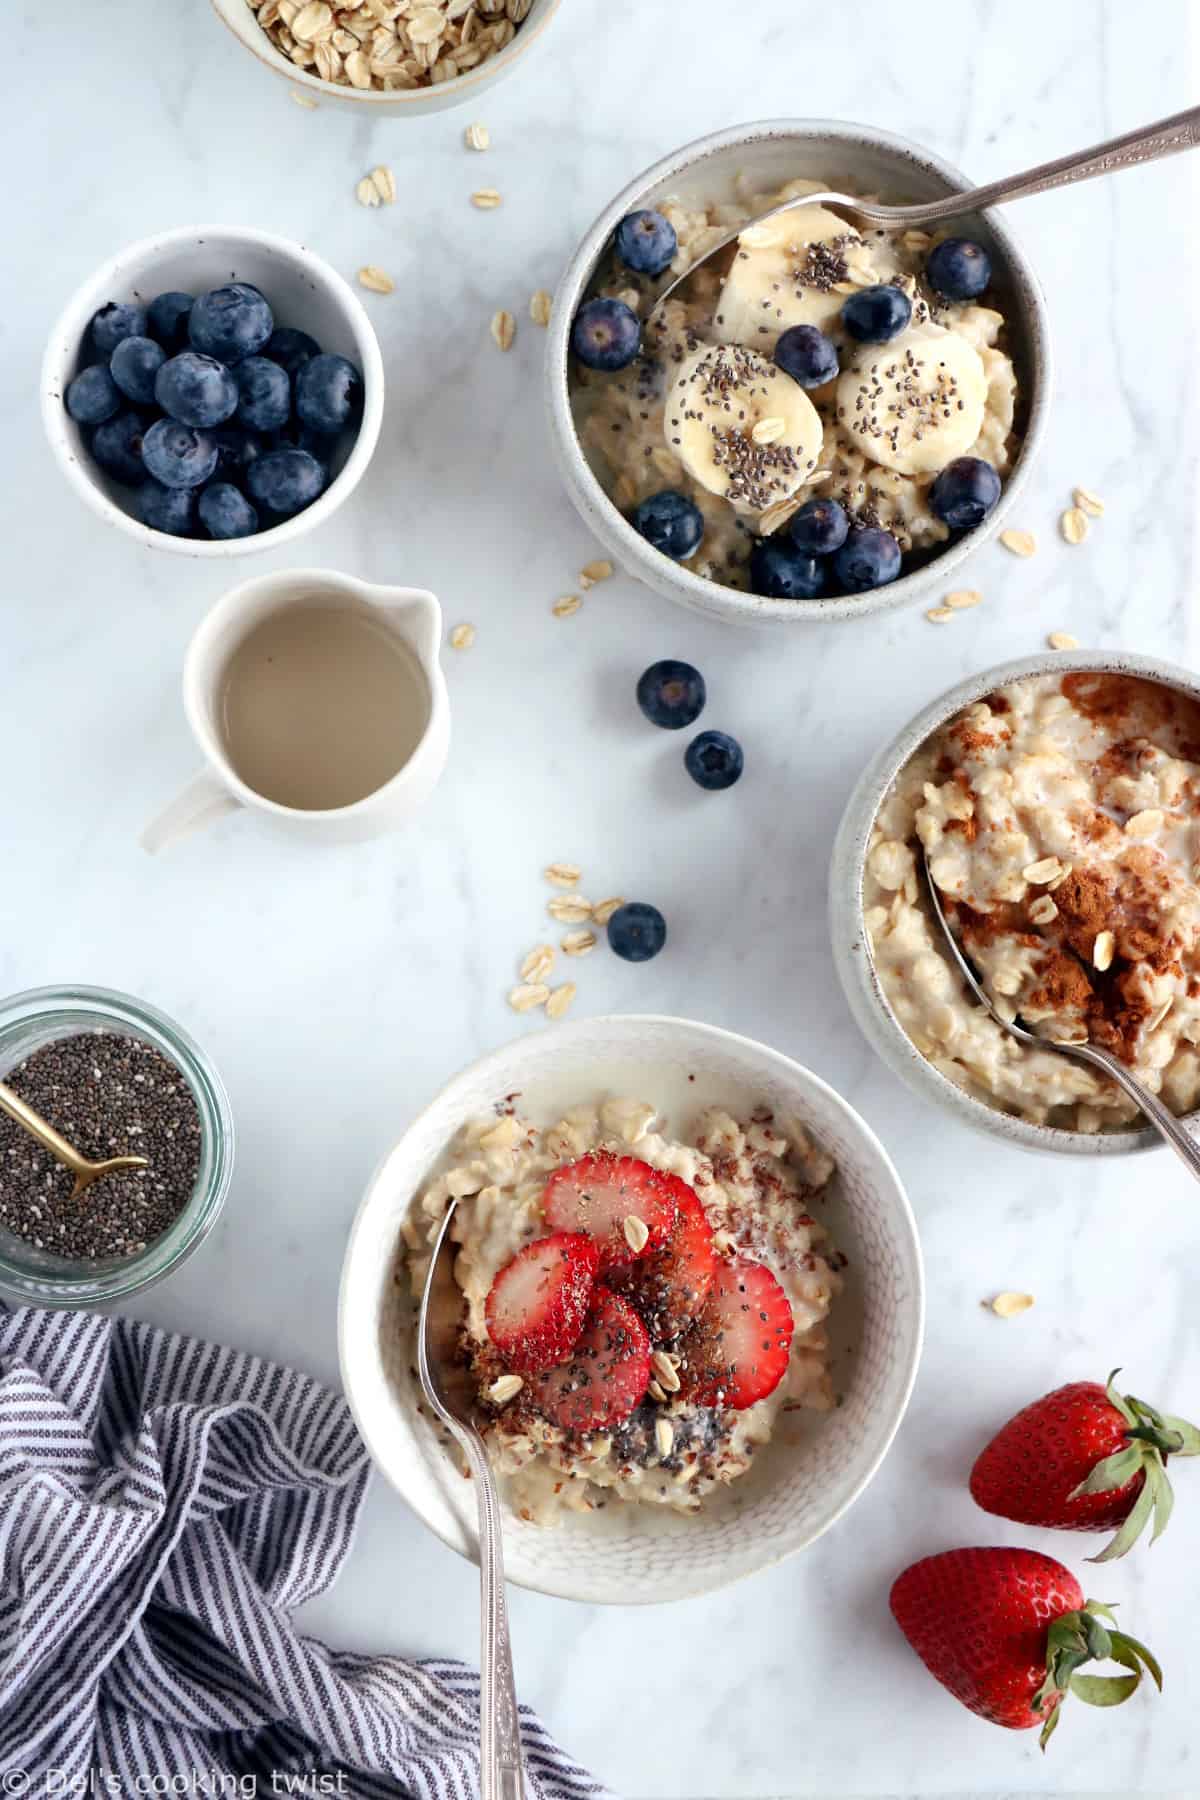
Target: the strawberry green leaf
(1164, 1498)
(1113, 1472)
(1104, 1690)
(1134, 1654)
(1049, 1728)
(1190, 1436)
(1131, 1529)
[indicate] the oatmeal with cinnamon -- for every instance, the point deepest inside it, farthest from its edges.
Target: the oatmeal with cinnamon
(1061, 819)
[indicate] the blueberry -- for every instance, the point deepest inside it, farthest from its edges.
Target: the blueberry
(669, 522)
(285, 481)
(958, 269)
(168, 316)
(230, 322)
(714, 760)
(646, 242)
(264, 394)
(135, 363)
(114, 322)
(93, 396)
(178, 455)
(637, 932)
(869, 558)
(780, 572)
(819, 528)
(225, 512)
(196, 390)
(964, 493)
(807, 355)
(117, 447)
(291, 349)
(329, 394)
(671, 694)
(875, 314)
(167, 509)
(606, 334)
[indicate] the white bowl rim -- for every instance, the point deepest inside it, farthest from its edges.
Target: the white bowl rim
(589, 1591)
(855, 964)
(58, 358)
(680, 584)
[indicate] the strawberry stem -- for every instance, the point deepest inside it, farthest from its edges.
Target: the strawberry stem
(1150, 1438)
(1076, 1639)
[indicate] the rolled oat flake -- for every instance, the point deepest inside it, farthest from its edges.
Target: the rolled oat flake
(109, 1095)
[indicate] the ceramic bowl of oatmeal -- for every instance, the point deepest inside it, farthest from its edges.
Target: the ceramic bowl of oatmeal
(749, 397)
(662, 1169)
(1058, 802)
(423, 57)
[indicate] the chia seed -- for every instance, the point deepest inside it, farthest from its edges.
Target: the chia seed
(108, 1095)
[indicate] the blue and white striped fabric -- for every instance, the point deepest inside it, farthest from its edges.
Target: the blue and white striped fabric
(164, 1505)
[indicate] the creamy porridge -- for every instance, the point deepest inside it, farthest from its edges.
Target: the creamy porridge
(751, 1184)
(1061, 817)
(705, 412)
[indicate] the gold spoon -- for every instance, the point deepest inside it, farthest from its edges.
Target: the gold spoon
(85, 1172)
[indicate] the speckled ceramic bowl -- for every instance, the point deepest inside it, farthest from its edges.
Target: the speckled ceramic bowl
(816, 1465)
(859, 159)
(851, 950)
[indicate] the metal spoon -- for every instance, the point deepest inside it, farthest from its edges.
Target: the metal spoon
(1163, 1121)
(85, 1172)
(450, 1392)
(1165, 138)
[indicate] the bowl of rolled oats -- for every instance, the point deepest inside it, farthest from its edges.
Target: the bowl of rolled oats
(1056, 800)
(398, 56)
(823, 423)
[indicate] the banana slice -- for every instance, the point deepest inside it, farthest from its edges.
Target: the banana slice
(916, 403)
(743, 428)
(785, 273)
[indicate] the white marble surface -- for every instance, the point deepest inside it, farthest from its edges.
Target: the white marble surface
(336, 991)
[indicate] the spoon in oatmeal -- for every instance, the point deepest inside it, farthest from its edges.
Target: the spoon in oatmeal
(1163, 1120)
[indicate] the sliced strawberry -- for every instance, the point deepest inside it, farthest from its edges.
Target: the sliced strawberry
(737, 1351)
(599, 1192)
(539, 1301)
(670, 1285)
(607, 1374)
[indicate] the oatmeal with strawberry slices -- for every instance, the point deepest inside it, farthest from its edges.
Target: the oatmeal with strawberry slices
(637, 1309)
(1061, 819)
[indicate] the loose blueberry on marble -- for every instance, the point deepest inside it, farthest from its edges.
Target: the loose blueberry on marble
(807, 355)
(778, 571)
(196, 390)
(869, 558)
(114, 322)
(134, 366)
(958, 269)
(606, 334)
(285, 481)
(291, 349)
(225, 511)
(637, 932)
(329, 393)
(93, 396)
(964, 493)
(669, 522)
(178, 456)
(172, 510)
(714, 760)
(230, 322)
(264, 394)
(117, 447)
(646, 242)
(671, 694)
(875, 315)
(168, 316)
(819, 528)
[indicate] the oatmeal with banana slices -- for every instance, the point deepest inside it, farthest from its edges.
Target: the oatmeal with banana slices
(638, 1309)
(864, 371)
(1061, 819)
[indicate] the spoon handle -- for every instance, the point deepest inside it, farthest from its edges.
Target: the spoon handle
(1164, 1122)
(42, 1130)
(500, 1725)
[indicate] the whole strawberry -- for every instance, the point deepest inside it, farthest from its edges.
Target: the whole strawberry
(1007, 1632)
(1085, 1458)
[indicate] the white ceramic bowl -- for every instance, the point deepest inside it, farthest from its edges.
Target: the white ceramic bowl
(303, 291)
(859, 159)
(239, 18)
(801, 1483)
(851, 951)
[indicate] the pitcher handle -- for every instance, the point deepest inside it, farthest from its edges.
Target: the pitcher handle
(202, 801)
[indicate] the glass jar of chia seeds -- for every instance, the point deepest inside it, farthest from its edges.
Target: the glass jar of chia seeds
(148, 1087)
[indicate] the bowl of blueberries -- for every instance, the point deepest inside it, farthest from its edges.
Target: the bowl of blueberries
(213, 391)
(818, 424)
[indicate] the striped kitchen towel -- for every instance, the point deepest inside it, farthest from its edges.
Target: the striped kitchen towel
(164, 1505)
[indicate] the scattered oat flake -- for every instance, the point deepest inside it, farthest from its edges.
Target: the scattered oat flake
(540, 306)
(1007, 1306)
(939, 614)
(1074, 525)
(504, 1389)
(605, 910)
(304, 100)
(962, 598)
(1062, 640)
(569, 909)
(664, 1436)
(597, 571)
(504, 329)
(1102, 950)
(563, 874)
(377, 280)
(578, 943)
(570, 603)
(528, 996)
(366, 193)
(767, 431)
(1090, 503)
(385, 183)
(1021, 543)
(462, 637)
(538, 964)
(486, 199)
(477, 137)
(560, 1000)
